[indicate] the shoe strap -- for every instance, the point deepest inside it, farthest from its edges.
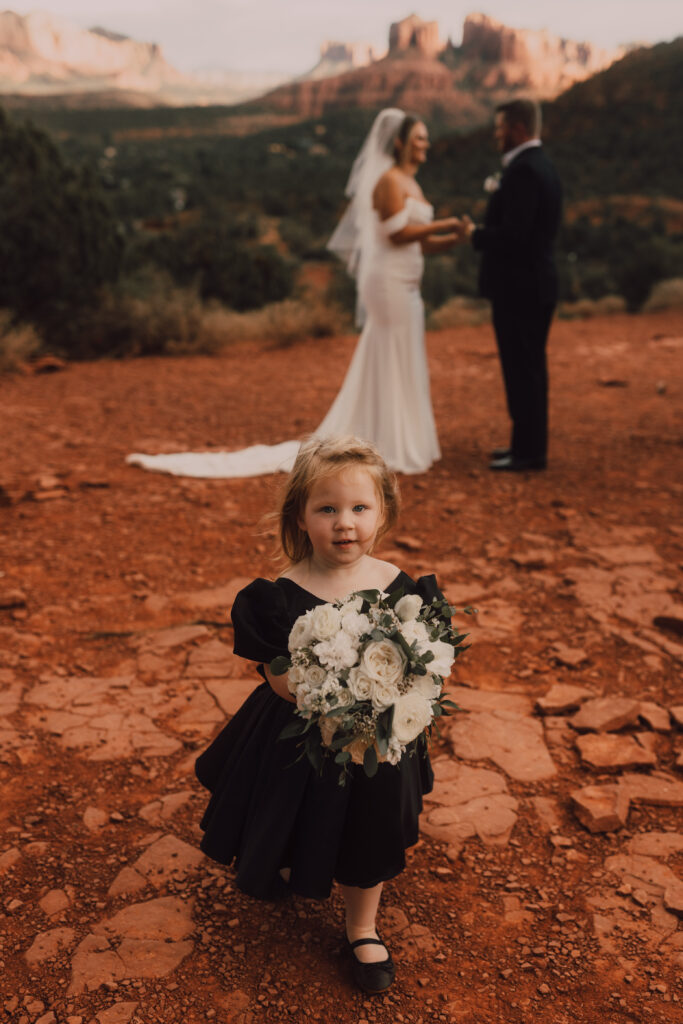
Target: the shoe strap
(366, 942)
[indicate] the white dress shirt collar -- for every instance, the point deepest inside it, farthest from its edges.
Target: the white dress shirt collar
(512, 153)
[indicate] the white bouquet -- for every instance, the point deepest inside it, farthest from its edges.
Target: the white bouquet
(368, 672)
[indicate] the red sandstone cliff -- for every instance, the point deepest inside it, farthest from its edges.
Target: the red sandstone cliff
(462, 83)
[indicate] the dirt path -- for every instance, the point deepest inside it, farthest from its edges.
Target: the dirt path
(115, 669)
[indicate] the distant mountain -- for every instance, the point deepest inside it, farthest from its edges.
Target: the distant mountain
(460, 84)
(47, 58)
(337, 58)
(42, 53)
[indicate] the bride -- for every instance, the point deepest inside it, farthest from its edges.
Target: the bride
(385, 397)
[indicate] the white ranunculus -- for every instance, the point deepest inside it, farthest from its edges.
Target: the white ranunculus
(338, 653)
(360, 684)
(413, 630)
(383, 695)
(408, 607)
(325, 621)
(300, 634)
(443, 658)
(354, 624)
(394, 751)
(412, 715)
(384, 661)
(429, 686)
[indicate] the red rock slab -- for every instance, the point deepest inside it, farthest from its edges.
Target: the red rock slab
(168, 857)
(562, 697)
(601, 808)
(606, 714)
(167, 917)
(610, 753)
(470, 699)
(643, 872)
(48, 944)
(118, 1013)
(673, 899)
(513, 742)
(626, 554)
(657, 717)
(656, 844)
(676, 713)
(659, 790)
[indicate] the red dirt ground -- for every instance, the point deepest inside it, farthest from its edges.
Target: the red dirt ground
(93, 548)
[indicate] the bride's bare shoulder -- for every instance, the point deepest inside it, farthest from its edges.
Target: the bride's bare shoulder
(389, 190)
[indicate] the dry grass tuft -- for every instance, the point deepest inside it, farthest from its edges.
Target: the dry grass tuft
(665, 295)
(18, 342)
(281, 323)
(460, 311)
(584, 308)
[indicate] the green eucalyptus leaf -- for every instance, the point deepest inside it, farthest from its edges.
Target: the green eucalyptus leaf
(370, 762)
(280, 665)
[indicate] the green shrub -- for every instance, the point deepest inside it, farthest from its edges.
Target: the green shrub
(59, 242)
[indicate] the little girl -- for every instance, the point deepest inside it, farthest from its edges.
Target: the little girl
(287, 827)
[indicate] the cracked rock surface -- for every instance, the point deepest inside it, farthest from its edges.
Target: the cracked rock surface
(547, 883)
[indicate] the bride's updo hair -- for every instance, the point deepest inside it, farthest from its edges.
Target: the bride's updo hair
(319, 458)
(401, 137)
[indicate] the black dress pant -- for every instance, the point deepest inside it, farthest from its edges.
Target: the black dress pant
(521, 333)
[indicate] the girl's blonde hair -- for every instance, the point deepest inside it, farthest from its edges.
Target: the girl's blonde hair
(318, 459)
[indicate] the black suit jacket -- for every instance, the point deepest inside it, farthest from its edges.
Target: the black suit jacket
(520, 226)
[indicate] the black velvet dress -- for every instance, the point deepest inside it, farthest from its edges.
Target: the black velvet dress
(269, 810)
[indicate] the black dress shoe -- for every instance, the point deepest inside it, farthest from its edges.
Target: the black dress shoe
(372, 978)
(514, 464)
(500, 453)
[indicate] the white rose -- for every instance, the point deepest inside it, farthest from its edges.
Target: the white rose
(383, 695)
(413, 630)
(412, 715)
(294, 677)
(383, 661)
(300, 634)
(314, 675)
(429, 686)
(443, 658)
(408, 607)
(354, 624)
(353, 604)
(360, 684)
(344, 697)
(325, 621)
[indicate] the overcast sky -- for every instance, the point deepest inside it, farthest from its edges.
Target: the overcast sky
(285, 35)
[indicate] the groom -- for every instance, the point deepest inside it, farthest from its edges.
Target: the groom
(518, 275)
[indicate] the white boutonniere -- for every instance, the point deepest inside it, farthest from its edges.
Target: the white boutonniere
(492, 183)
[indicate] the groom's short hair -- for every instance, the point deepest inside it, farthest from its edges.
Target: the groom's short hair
(524, 112)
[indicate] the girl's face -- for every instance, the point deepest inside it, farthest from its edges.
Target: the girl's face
(342, 516)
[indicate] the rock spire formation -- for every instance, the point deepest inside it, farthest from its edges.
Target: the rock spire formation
(424, 73)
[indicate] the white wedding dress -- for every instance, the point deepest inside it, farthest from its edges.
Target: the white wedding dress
(385, 397)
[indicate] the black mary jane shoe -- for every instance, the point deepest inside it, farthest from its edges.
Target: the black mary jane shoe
(372, 977)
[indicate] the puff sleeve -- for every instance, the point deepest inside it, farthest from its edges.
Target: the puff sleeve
(261, 622)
